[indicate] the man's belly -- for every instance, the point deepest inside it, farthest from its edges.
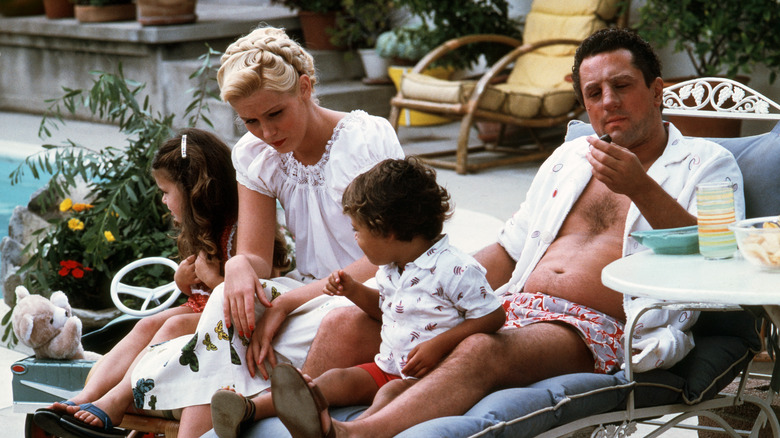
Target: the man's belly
(571, 269)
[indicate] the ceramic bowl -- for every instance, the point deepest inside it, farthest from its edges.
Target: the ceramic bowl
(683, 240)
(758, 240)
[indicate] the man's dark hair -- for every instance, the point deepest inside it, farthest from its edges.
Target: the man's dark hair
(610, 39)
(399, 197)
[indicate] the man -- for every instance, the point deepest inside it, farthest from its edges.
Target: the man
(585, 200)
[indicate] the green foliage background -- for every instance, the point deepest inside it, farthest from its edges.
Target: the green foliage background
(124, 197)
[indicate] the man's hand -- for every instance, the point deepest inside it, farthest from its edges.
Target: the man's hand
(424, 357)
(617, 167)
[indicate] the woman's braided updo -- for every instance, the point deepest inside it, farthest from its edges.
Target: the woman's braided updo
(265, 59)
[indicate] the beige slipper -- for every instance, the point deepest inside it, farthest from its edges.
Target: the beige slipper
(231, 413)
(297, 404)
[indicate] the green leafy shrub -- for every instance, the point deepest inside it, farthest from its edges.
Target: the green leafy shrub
(719, 37)
(124, 220)
(442, 20)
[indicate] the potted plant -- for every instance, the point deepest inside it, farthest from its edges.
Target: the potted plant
(358, 26)
(95, 11)
(442, 20)
(165, 12)
(720, 38)
(318, 19)
(58, 8)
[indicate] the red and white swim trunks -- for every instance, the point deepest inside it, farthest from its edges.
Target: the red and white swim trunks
(602, 333)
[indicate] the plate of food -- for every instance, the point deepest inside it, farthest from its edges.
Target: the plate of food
(758, 240)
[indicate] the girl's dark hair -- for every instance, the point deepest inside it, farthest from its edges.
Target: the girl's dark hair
(399, 197)
(207, 180)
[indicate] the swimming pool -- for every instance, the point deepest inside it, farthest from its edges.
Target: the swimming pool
(11, 155)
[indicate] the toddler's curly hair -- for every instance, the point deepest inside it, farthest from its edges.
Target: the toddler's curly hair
(399, 197)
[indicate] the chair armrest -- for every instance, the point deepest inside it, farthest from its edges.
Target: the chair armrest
(455, 43)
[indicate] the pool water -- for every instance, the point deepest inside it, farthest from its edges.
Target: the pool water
(17, 194)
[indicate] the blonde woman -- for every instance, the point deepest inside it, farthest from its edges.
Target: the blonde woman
(303, 156)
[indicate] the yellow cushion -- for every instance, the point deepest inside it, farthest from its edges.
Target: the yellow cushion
(540, 26)
(492, 99)
(542, 71)
(606, 9)
(424, 87)
(528, 102)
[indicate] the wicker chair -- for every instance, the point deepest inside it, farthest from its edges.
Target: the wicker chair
(536, 94)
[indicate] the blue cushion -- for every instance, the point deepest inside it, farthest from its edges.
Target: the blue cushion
(529, 411)
(759, 158)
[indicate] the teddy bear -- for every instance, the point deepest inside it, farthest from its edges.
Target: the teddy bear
(48, 326)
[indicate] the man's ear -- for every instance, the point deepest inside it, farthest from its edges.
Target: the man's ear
(658, 90)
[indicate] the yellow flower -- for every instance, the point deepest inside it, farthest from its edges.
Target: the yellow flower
(109, 236)
(81, 207)
(66, 204)
(75, 224)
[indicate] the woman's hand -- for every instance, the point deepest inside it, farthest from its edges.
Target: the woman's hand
(260, 348)
(185, 275)
(241, 288)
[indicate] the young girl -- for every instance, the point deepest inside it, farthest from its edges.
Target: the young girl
(198, 183)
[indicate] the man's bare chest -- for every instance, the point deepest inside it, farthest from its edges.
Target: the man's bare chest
(598, 211)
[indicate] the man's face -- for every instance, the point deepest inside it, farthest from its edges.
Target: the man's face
(617, 100)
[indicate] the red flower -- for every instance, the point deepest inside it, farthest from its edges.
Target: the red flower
(73, 268)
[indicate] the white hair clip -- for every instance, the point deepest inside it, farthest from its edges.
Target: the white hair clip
(184, 146)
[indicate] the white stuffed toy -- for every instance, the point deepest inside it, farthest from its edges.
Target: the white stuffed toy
(48, 327)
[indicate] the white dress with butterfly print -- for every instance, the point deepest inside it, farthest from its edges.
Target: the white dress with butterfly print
(433, 294)
(186, 371)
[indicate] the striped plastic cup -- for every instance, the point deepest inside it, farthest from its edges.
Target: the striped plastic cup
(715, 205)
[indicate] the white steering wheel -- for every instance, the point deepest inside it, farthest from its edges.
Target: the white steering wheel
(148, 295)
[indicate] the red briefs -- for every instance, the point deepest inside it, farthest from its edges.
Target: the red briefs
(379, 376)
(602, 334)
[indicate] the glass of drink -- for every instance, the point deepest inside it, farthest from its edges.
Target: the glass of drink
(715, 205)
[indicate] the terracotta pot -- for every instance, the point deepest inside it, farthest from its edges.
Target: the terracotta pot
(99, 14)
(314, 26)
(18, 8)
(706, 126)
(165, 12)
(58, 9)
